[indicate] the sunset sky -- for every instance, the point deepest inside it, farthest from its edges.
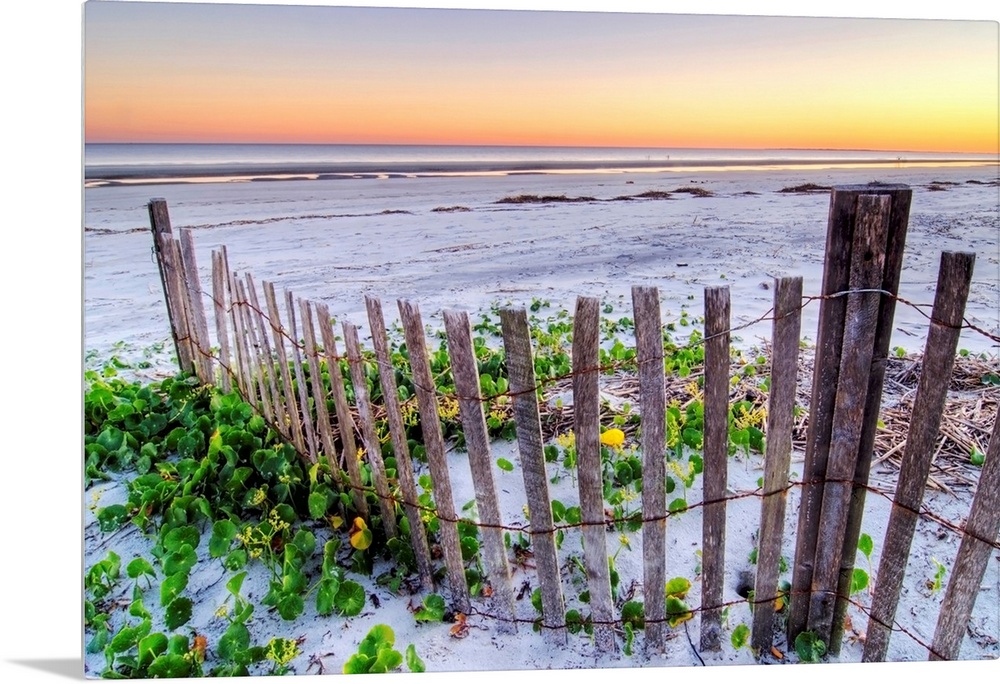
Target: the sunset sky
(251, 73)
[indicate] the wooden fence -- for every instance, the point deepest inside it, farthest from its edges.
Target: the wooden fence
(264, 353)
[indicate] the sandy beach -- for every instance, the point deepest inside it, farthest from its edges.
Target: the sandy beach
(451, 242)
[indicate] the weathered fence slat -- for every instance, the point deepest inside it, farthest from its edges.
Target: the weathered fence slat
(197, 307)
(329, 450)
(954, 280)
(465, 370)
(278, 335)
(345, 421)
(366, 421)
(159, 219)
(300, 379)
(400, 446)
(777, 459)
(899, 214)
(240, 337)
(522, 387)
(253, 346)
(867, 261)
(653, 406)
(715, 475)
(184, 306)
(427, 404)
(973, 554)
(219, 301)
(587, 429)
(239, 358)
(265, 353)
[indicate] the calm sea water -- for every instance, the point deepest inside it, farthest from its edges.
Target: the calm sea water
(111, 162)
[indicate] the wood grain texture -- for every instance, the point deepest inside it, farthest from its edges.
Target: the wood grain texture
(867, 260)
(221, 329)
(716, 469)
(465, 371)
(159, 221)
(587, 429)
(423, 380)
(778, 453)
(522, 386)
(652, 406)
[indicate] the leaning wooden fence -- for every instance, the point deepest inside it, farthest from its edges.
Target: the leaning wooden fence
(264, 353)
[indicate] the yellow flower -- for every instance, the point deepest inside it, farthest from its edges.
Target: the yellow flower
(567, 440)
(613, 438)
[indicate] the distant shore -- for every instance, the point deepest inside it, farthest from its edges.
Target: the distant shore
(134, 174)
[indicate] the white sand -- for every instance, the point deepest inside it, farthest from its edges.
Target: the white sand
(329, 241)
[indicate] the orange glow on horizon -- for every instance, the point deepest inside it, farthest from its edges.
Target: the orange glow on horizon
(788, 93)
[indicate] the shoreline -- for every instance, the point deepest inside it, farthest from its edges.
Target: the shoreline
(154, 174)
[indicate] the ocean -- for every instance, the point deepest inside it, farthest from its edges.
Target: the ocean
(132, 163)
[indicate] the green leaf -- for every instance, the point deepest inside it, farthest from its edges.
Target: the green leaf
(112, 517)
(432, 611)
(178, 613)
(350, 599)
(317, 505)
(180, 561)
(677, 505)
(678, 587)
(223, 534)
(129, 637)
(290, 606)
(326, 594)
(740, 636)
(179, 536)
(170, 667)
(388, 659)
(150, 647)
(859, 580)
(172, 587)
(865, 545)
(235, 640)
(977, 458)
(505, 465)
(413, 661)
(358, 664)
(632, 614)
(809, 648)
(378, 637)
(677, 611)
(138, 567)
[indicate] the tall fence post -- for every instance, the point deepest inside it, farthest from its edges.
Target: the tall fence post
(427, 405)
(199, 322)
(587, 428)
(653, 406)
(777, 459)
(159, 219)
(716, 469)
(521, 372)
(855, 368)
(219, 301)
(954, 280)
(836, 275)
(465, 370)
